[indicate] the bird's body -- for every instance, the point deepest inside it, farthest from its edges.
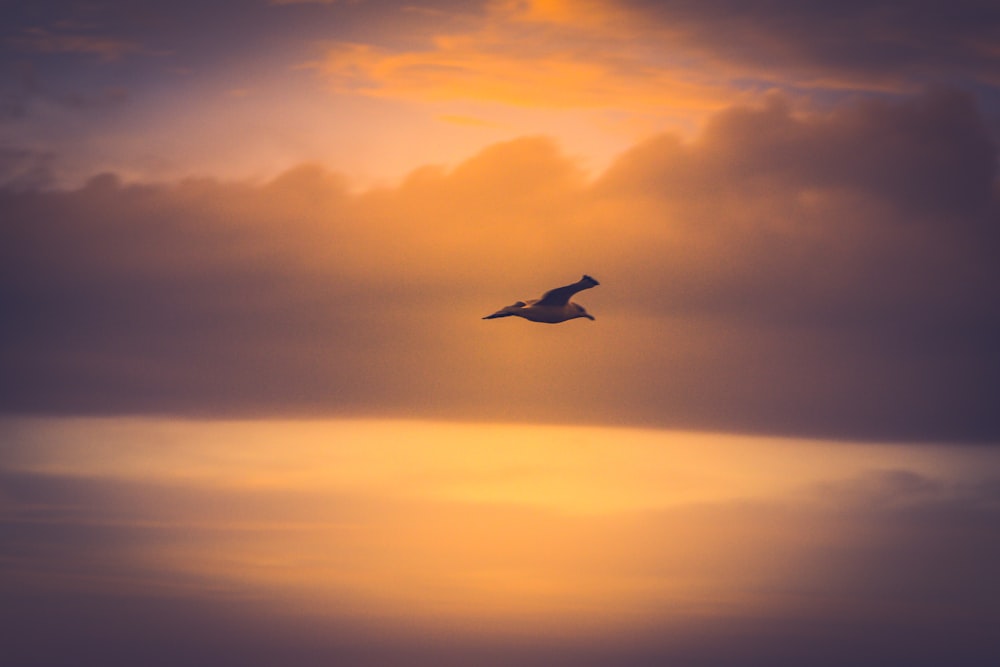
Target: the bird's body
(554, 306)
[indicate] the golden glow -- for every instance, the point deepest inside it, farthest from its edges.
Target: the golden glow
(471, 121)
(578, 12)
(489, 528)
(532, 54)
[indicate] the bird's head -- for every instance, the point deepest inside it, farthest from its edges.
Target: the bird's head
(582, 312)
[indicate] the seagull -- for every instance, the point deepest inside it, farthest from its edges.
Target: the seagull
(554, 306)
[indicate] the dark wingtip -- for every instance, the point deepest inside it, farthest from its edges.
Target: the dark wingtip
(591, 279)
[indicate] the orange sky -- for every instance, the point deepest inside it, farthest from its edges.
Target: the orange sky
(375, 89)
(250, 413)
(636, 543)
(775, 274)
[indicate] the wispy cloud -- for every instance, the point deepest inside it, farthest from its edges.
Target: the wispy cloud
(45, 40)
(528, 54)
(639, 55)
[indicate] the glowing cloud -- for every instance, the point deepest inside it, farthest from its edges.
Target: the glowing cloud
(529, 54)
(819, 274)
(421, 535)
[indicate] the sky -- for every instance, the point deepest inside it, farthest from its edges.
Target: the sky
(245, 250)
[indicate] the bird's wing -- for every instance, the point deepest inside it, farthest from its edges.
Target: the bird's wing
(560, 296)
(506, 311)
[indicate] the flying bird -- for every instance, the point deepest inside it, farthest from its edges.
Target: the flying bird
(554, 306)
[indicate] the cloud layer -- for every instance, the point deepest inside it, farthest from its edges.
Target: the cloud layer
(853, 44)
(686, 56)
(251, 543)
(827, 274)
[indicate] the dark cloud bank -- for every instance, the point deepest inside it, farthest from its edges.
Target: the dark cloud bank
(890, 43)
(829, 275)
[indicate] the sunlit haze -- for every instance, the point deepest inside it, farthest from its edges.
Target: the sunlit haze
(251, 412)
(584, 539)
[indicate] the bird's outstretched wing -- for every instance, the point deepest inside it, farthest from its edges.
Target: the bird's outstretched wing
(560, 295)
(506, 311)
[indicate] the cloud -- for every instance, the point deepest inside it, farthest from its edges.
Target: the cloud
(214, 536)
(827, 274)
(25, 169)
(44, 40)
(31, 98)
(527, 54)
(856, 44)
(645, 56)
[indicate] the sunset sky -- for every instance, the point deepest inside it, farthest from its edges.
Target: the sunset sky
(250, 413)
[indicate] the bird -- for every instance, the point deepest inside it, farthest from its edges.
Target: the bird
(554, 306)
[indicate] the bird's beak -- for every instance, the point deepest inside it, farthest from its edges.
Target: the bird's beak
(590, 317)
